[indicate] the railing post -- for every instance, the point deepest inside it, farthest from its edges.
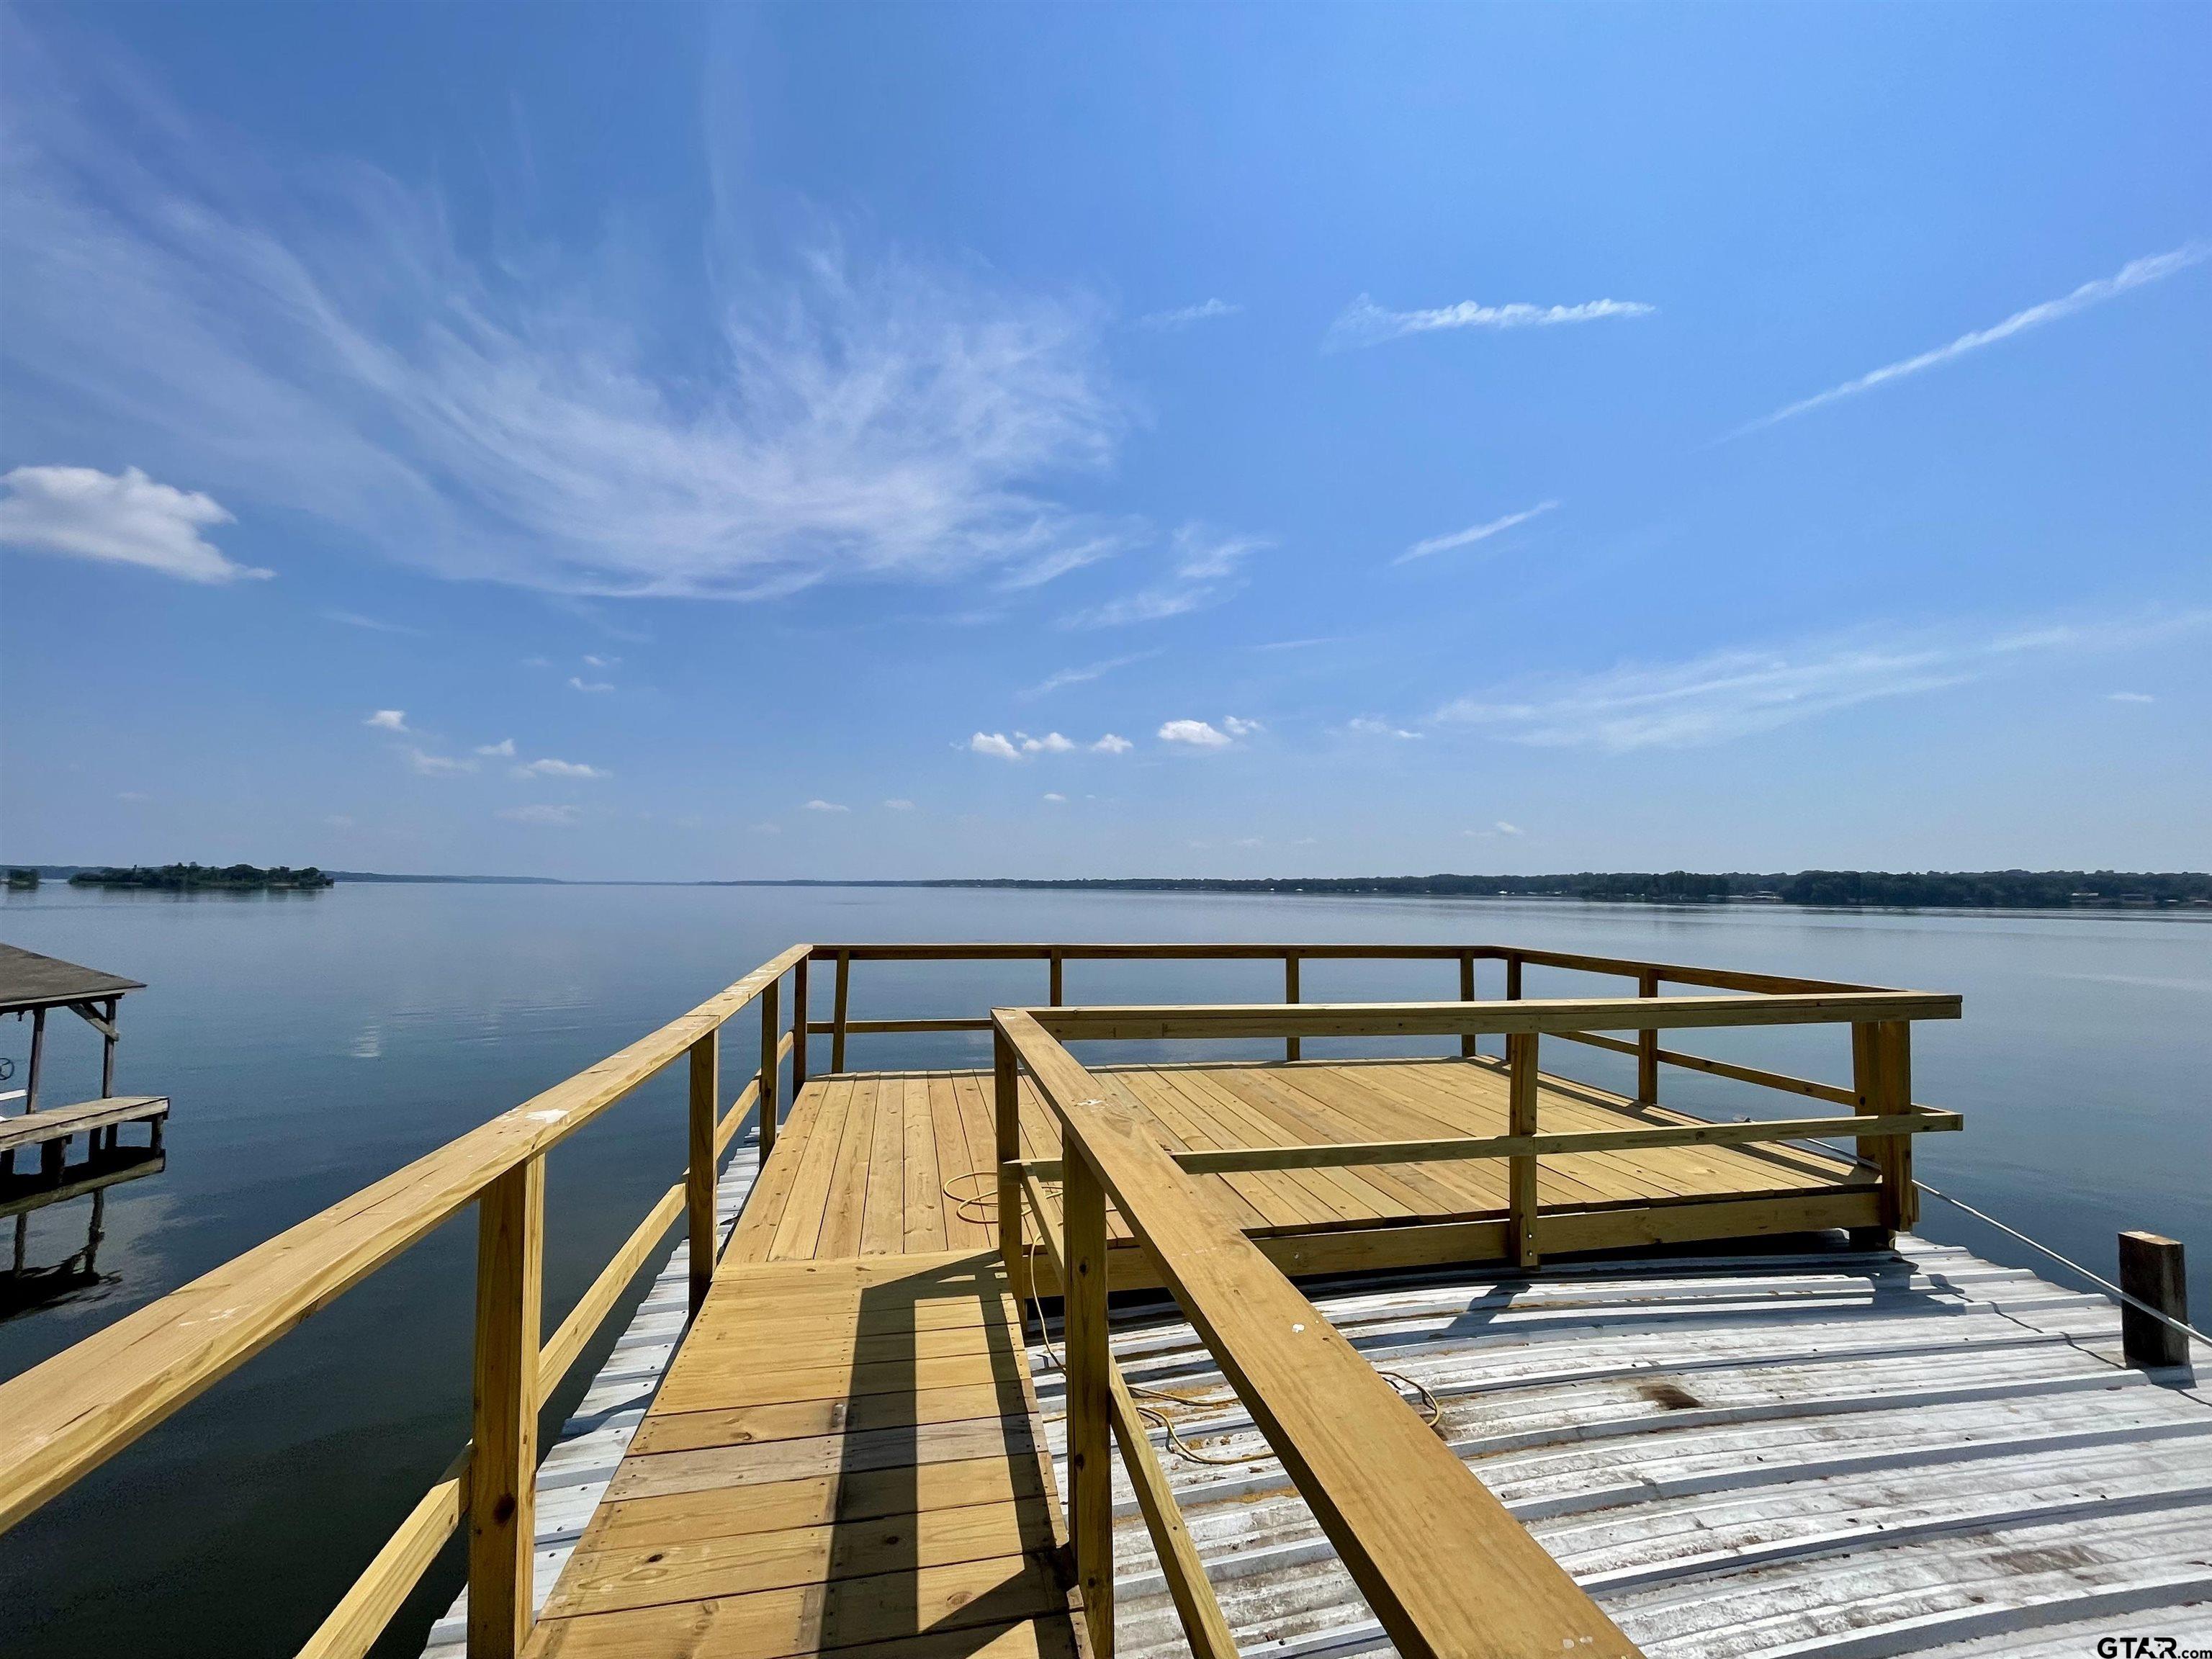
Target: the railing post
(1881, 1074)
(769, 1069)
(503, 1469)
(2151, 1272)
(838, 1001)
(1467, 1045)
(1006, 1105)
(1090, 1466)
(1057, 985)
(1647, 1049)
(1512, 977)
(699, 1170)
(1290, 1045)
(797, 1028)
(1521, 1120)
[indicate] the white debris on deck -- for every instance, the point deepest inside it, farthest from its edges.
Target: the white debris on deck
(1852, 1453)
(575, 1472)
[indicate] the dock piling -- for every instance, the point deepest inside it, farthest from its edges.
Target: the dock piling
(2151, 1272)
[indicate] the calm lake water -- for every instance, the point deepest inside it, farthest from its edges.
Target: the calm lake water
(313, 1042)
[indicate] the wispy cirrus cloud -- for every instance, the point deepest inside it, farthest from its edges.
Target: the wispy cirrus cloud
(1474, 534)
(317, 337)
(83, 513)
(1364, 323)
(550, 768)
(1062, 678)
(1740, 692)
(2136, 273)
(1208, 567)
(1184, 316)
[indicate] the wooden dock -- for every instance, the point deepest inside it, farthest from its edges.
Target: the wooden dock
(883, 1163)
(823, 1432)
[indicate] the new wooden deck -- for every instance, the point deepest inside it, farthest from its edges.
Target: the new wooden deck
(884, 1164)
(845, 1455)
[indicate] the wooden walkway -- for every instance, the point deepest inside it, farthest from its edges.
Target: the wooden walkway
(844, 1454)
(886, 1164)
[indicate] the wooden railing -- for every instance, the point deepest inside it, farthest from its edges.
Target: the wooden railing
(71, 1413)
(1651, 977)
(1446, 1569)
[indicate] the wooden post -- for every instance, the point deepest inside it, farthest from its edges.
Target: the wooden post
(1290, 1045)
(1521, 1096)
(1881, 1076)
(1466, 1044)
(38, 1060)
(838, 1001)
(503, 1467)
(771, 1069)
(1090, 1466)
(1006, 1102)
(1512, 978)
(107, 1060)
(699, 1171)
(1058, 986)
(1647, 1049)
(2151, 1270)
(798, 1029)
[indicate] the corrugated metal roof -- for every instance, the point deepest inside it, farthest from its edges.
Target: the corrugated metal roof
(1852, 1453)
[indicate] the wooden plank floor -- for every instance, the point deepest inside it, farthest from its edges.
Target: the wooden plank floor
(845, 1455)
(886, 1164)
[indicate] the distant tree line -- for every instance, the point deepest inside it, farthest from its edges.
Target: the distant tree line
(229, 877)
(1966, 890)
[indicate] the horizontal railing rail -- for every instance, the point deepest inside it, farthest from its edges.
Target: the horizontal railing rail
(1444, 1565)
(70, 1413)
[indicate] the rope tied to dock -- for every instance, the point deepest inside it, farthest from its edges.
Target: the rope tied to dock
(2101, 1282)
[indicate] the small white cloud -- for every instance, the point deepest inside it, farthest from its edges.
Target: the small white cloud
(1365, 324)
(438, 766)
(1050, 744)
(85, 513)
(539, 812)
(1236, 728)
(549, 767)
(503, 749)
(995, 744)
(600, 662)
(582, 684)
(536, 662)
(826, 806)
(897, 804)
(1249, 841)
(1505, 829)
(1055, 798)
(1196, 734)
(1467, 537)
(2129, 697)
(1184, 316)
(388, 720)
(1112, 745)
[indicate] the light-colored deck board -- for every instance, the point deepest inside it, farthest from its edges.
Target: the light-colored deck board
(788, 1568)
(880, 1165)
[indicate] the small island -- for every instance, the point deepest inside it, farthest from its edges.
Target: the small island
(192, 878)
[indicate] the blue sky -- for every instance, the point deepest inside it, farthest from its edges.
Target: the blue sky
(832, 440)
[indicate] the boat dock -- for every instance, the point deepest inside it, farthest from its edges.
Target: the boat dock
(1400, 1351)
